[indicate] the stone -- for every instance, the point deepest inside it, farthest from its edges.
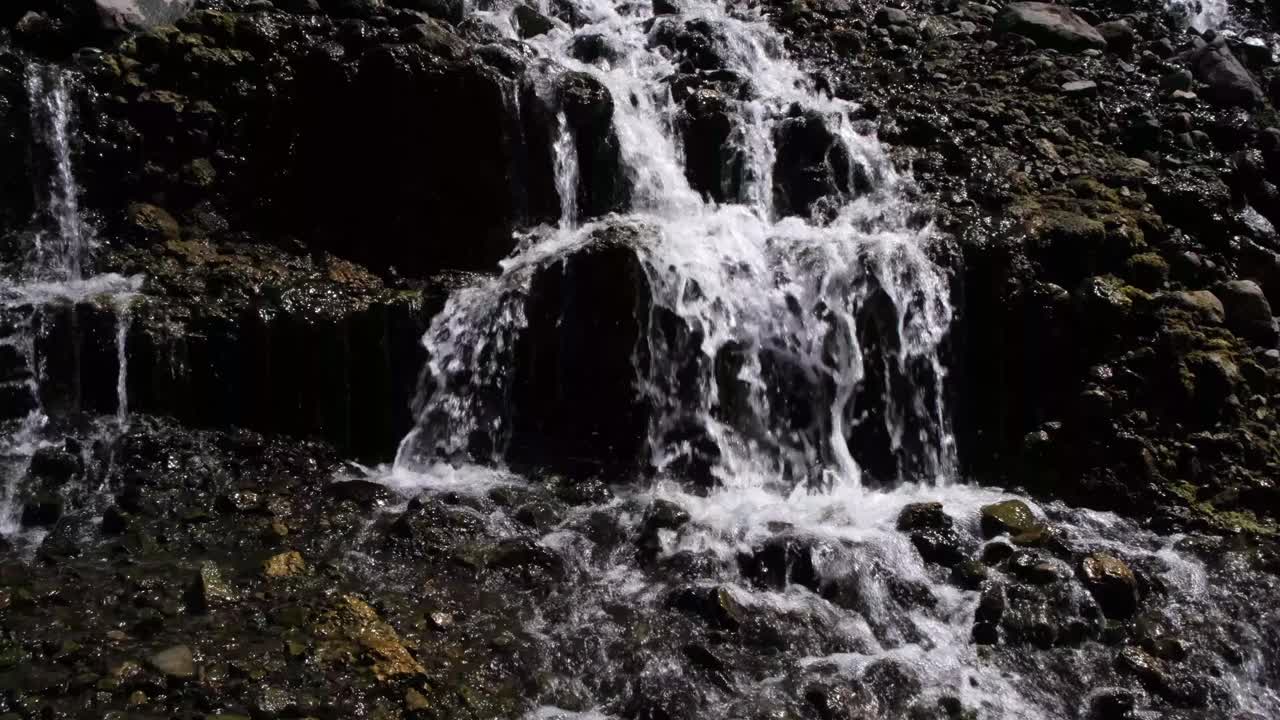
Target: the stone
(887, 16)
(212, 588)
(415, 701)
(1008, 517)
(667, 7)
(1119, 34)
(452, 11)
(1247, 311)
(55, 465)
(365, 493)
(175, 662)
(285, 564)
(1180, 79)
(918, 516)
(1054, 26)
(1112, 584)
(1228, 82)
(350, 628)
(1202, 303)
(943, 546)
(436, 38)
(151, 224)
(1080, 88)
(530, 22)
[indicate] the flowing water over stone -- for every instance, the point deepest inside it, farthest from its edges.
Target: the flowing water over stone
(53, 270)
(792, 370)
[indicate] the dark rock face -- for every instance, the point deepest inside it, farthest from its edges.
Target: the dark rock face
(16, 194)
(328, 131)
(811, 165)
(575, 399)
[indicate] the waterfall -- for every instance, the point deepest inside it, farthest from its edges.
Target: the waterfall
(566, 169)
(59, 251)
(53, 276)
(807, 349)
(789, 293)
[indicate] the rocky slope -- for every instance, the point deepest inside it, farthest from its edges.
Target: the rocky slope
(301, 182)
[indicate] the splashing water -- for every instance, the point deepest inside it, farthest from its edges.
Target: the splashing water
(54, 274)
(787, 294)
(1201, 14)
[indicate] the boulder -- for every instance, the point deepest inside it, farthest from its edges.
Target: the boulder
(530, 22)
(1247, 312)
(1054, 26)
(574, 406)
(1228, 82)
(1112, 584)
(1008, 517)
(1119, 34)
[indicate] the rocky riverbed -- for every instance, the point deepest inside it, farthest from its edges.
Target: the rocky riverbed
(728, 409)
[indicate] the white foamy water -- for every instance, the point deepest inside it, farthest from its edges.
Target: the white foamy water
(1201, 14)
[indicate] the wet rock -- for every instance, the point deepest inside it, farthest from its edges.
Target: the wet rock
(811, 164)
(574, 407)
(285, 564)
(969, 574)
(1112, 583)
(1080, 88)
(1229, 83)
(1247, 311)
(1054, 26)
(448, 10)
(352, 630)
(176, 662)
(1119, 34)
(889, 16)
(783, 560)
(1112, 704)
(530, 22)
(55, 465)
(365, 493)
(1141, 664)
(149, 224)
(212, 589)
(707, 122)
(42, 511)
(716, 605)
(943, 546)
(1203, 304)
(919, 516)
(1180, 79)
(1008, 517)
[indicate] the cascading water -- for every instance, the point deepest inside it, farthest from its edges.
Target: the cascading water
(832, 327)
(1201, 14)
(53, 276)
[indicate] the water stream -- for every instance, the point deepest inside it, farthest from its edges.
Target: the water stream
(52, 276)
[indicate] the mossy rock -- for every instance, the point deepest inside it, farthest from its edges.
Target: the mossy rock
(1008, 517)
